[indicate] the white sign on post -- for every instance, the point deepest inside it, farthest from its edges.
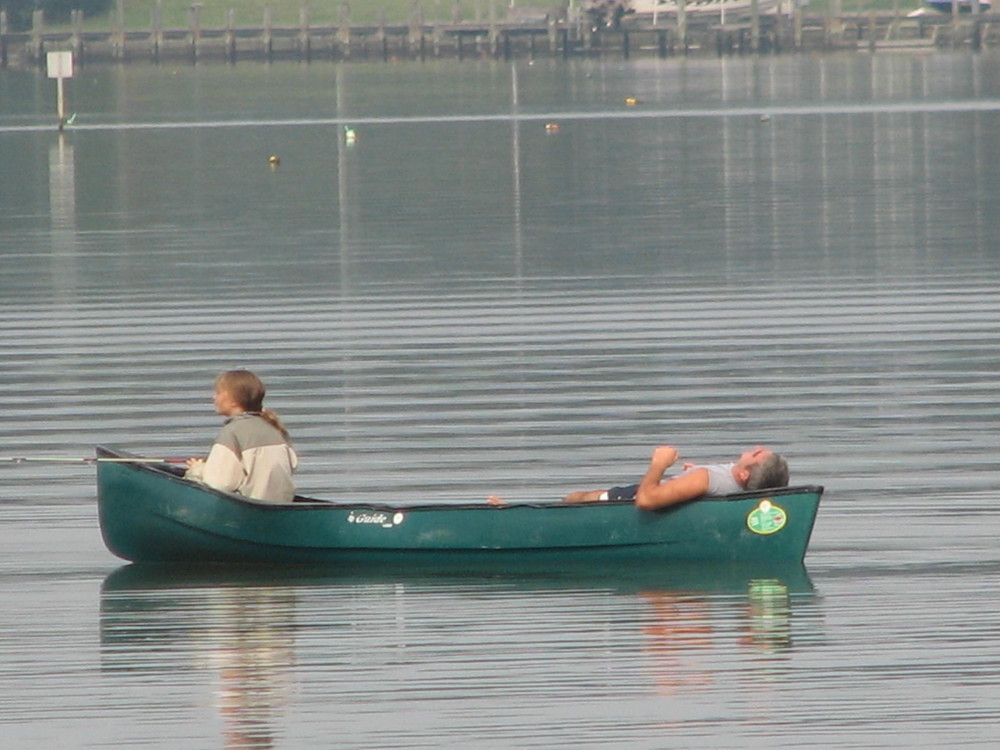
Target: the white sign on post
(60, 64)
(60, 67)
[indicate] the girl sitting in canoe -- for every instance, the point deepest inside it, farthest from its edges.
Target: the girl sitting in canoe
(252, 454)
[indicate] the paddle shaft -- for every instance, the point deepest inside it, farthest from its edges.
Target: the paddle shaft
(77, 460)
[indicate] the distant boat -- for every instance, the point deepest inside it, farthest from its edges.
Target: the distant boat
(150, 513)
(944, 6)
(648, 7)
(964, 6)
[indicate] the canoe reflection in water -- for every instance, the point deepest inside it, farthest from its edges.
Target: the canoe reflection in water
(685, 627)
(433, 639)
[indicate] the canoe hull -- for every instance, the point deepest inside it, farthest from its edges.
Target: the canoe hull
(149, 514)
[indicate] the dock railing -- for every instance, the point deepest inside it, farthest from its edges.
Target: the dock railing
(518, 36)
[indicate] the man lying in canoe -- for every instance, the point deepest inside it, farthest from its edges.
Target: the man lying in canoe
(755, 469)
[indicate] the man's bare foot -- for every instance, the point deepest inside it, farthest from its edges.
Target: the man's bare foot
(494, 500)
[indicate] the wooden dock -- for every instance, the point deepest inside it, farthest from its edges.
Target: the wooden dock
(508, 39)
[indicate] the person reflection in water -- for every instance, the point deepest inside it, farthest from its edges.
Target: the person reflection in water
(755, 469)
(251, 645)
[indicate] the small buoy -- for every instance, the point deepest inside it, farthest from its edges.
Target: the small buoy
(631, 101)
(551, 127)
(273, 160)
(349, 135)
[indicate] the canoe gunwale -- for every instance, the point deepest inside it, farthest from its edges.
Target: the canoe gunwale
(305, 503)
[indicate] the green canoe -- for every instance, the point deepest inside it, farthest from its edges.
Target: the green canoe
(149, 513)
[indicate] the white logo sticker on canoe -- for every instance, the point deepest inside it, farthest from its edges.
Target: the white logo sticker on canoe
(766, 518)
(376, 518)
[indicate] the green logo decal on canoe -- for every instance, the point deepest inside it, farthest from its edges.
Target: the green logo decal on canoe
(766, 518)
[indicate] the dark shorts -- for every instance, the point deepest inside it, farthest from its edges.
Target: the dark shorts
(623, 493)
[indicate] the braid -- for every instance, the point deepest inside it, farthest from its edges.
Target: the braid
(272, 419)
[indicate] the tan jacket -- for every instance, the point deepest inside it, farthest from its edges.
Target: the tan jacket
(251, 457)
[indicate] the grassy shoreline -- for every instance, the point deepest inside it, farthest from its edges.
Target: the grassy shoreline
(138, 14)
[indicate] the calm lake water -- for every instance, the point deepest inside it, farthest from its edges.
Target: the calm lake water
(795, 251)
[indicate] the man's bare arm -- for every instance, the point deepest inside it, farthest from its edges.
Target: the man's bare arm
(653, 493)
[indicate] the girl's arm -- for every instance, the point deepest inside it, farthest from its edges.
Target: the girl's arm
(223, 469)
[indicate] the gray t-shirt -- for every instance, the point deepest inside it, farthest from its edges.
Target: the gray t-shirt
(720, 482)
(720, 479)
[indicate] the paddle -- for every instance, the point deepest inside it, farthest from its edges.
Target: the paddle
(75, 460)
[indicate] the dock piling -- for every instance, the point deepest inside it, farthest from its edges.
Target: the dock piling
(194, 21)
(344, 30)
(118, 38)
(4, 30)
(304, 45)
(229, 37)
(37, 29)
(156, 30)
